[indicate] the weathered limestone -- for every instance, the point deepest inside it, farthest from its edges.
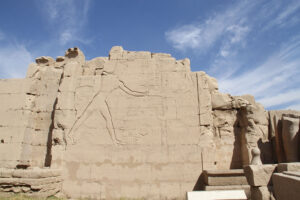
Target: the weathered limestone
(133, 124)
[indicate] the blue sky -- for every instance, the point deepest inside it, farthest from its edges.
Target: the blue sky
(251, 47)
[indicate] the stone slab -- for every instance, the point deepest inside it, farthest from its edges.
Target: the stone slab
(286, 186)
(210, 195)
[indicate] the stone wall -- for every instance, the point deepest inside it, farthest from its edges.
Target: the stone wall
(13, 119)
(31, 182)
(133, 124)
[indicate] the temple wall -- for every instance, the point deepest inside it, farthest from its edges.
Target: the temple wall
(134, 124)
(13, 118)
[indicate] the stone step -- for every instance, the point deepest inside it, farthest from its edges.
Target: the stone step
(246, 188)
(222, 195)
(225, 177)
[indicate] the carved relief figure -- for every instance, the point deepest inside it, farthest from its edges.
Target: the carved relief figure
(98, 104)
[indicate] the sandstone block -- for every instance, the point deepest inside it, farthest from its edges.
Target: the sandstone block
(291, 167)
(131, 55)
(12, 101)
(73, 69)
(6, 173)
(290, 137)
(261, 193)
(221, 101)
(14, 86)
(32, 70)
(74, 55)
(286, 186)
(224, 177)
(161, 55)
(44, 61)
(116, 52)
(259, 175)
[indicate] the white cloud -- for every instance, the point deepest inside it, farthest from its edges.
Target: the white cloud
(238, 33)
(224, 37)
(185, 36)
(282, 98)
(227, 26)
(273, 83)
(287, 12)
(67, 19)
(14, 61)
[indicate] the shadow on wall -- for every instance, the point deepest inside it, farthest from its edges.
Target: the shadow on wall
(200, 185)
(266, 155)
(240, 153)
(237, 158)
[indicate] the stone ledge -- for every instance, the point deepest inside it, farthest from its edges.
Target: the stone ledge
(224, 172)
(288, 167)
(224, 177)
(34, 173)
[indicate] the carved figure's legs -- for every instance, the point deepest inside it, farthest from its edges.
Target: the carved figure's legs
(73, 134)
(105, 112)
(101, 108)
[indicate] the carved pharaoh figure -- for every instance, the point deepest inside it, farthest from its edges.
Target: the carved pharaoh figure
(98, 104)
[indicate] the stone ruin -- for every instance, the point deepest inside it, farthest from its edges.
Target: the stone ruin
(137, 125)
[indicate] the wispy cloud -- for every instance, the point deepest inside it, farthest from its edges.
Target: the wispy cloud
(275, 82)
(14, 61)
(289, 10)
(234, 34)
(227, 26)
(67, 19)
